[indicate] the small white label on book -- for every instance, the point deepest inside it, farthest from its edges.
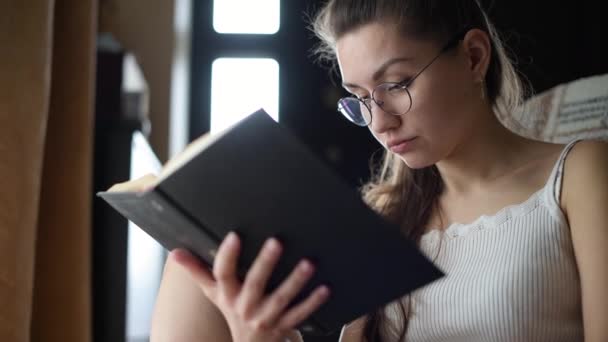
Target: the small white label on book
(157, 206)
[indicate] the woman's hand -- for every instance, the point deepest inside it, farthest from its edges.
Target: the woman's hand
(251, 315)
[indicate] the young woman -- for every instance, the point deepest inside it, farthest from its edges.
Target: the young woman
(519, 226)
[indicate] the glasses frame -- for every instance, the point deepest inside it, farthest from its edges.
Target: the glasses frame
(453, 42)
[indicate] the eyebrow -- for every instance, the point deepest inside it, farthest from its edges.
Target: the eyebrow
(381, 70)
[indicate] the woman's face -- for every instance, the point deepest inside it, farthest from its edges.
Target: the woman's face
(444, 96)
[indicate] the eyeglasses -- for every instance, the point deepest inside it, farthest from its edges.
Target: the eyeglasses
(393, 97)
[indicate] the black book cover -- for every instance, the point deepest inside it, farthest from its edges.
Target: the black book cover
(258, 180)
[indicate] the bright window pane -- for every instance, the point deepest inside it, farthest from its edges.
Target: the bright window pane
(240, 86)
(246, 16)
(145, 258)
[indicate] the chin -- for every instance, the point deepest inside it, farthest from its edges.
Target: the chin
(416, 161)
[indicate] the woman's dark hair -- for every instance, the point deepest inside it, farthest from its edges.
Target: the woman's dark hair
(407, 196)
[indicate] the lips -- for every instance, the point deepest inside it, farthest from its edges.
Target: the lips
(397, 142)
(400, 145)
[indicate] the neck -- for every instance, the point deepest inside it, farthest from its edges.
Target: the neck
(482, 158)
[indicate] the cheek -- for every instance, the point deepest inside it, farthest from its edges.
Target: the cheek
(376, 136)
(443, 107)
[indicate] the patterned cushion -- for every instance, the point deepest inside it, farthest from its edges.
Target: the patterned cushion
(577, 109)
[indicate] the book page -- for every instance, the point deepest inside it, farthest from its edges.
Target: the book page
(193, 149)
(184, 156)
(151, 180)
(175, 163)
(137, 185)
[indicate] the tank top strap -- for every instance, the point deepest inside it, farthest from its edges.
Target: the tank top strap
(556, 177)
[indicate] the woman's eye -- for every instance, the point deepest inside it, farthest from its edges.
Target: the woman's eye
(405, 82)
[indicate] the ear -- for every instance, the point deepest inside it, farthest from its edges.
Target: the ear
(478, 50)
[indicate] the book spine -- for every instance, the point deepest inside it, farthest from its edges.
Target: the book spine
(163, 220)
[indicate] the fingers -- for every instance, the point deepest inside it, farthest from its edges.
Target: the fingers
(276, 303)
(304, 309)
(257, 277)
(225, 265)
(248, 301)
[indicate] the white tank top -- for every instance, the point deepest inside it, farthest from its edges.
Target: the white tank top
(510, 277)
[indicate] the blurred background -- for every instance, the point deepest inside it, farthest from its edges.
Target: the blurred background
(108, 90)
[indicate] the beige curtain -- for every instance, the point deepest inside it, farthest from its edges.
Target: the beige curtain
(47, 51)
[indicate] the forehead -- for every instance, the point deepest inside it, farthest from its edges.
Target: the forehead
(361, 51)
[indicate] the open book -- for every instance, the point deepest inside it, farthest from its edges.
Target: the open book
(257, 179)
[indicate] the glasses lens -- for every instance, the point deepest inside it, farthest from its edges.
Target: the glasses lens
(394, 98)
(355, 111)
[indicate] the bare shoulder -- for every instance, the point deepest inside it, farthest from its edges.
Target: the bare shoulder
(589, 150)
(585, 172)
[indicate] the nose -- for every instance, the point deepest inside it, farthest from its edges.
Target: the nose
(381, 120)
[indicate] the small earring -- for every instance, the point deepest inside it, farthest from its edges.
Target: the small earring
(483, 90)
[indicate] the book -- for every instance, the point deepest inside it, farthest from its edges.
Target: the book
(257, 179)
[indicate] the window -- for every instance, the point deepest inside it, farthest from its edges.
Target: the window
(239, 86)
(246, 16)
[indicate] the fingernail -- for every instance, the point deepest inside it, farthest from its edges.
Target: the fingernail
(179, 255)
(324, 291)
(305, 266)
(231, 238)
(272, 244)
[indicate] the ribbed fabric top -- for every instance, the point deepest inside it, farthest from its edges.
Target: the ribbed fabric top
(511, 276)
